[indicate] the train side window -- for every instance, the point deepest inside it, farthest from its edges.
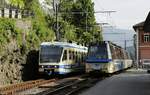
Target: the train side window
(120, 54)
(127, 56)
(73, 55)
(82, 56)
(117, 52)
(76, 56)
(85, 55)
(123, 54)
(113, 54)
(65, 55)
(69, 54)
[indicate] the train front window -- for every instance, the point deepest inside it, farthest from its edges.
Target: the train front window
(98, 52)
(50, 54)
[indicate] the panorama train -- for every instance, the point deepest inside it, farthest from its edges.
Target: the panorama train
(107, 57)
(61, 58)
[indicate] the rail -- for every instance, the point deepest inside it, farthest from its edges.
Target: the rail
(11, 89)
(70, 88)
(65, 86)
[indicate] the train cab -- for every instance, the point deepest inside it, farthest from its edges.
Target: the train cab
(61, 58)
(107, 57)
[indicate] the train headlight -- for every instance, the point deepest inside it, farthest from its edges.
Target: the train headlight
(55, 66)
(42, 66)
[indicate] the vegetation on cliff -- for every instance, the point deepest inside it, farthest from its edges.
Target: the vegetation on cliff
(75, 17)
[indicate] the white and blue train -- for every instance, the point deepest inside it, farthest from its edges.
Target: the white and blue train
(107, 57)
(61, 58)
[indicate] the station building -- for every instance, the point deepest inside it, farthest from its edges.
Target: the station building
(143, 40)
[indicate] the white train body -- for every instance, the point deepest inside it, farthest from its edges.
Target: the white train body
(107, 57)
(61, 58)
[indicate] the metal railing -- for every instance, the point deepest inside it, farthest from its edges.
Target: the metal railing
(15, 13)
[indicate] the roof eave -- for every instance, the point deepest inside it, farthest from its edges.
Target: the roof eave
(141, 24)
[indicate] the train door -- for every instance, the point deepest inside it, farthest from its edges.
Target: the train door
(65, 56)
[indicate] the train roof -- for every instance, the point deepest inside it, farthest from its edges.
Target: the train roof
(110, 43)
(105, 42)
(65, 45)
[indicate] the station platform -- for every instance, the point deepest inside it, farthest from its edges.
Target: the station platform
(130, 82)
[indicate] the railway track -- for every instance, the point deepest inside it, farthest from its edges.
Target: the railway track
(66, 86)
(12, 89)
(70, 88)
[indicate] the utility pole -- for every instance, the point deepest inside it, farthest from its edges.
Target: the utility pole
(125, 41)
(137, 48)
(86, 20)
(57, 30)
(55, 5)
(125, 44)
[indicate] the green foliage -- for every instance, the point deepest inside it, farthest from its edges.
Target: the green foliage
(40, 31)
(32, 40)
(9, 32)
(40, 25)
(79, 26)
(6, 29)
(68, 32)
(80, 14)
(17, 3)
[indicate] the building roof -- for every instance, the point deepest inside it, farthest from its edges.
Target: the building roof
(141, 24)
(144, 25)
(147, 23)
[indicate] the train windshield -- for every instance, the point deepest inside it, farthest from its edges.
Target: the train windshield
(98, 52)
(50, 54)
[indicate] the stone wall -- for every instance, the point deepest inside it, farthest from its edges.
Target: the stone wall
(10, 64)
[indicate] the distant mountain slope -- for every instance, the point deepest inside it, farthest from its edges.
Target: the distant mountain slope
(118, 36)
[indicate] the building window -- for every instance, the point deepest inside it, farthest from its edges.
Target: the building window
(146, 37)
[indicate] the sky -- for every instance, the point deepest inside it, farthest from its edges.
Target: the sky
(128, 12)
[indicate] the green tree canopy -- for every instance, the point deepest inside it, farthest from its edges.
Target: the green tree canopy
(16, 3)
(80, 14)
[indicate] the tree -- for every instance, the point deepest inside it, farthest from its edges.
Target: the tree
(68, 32)
(16, 3)
(80, 13)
